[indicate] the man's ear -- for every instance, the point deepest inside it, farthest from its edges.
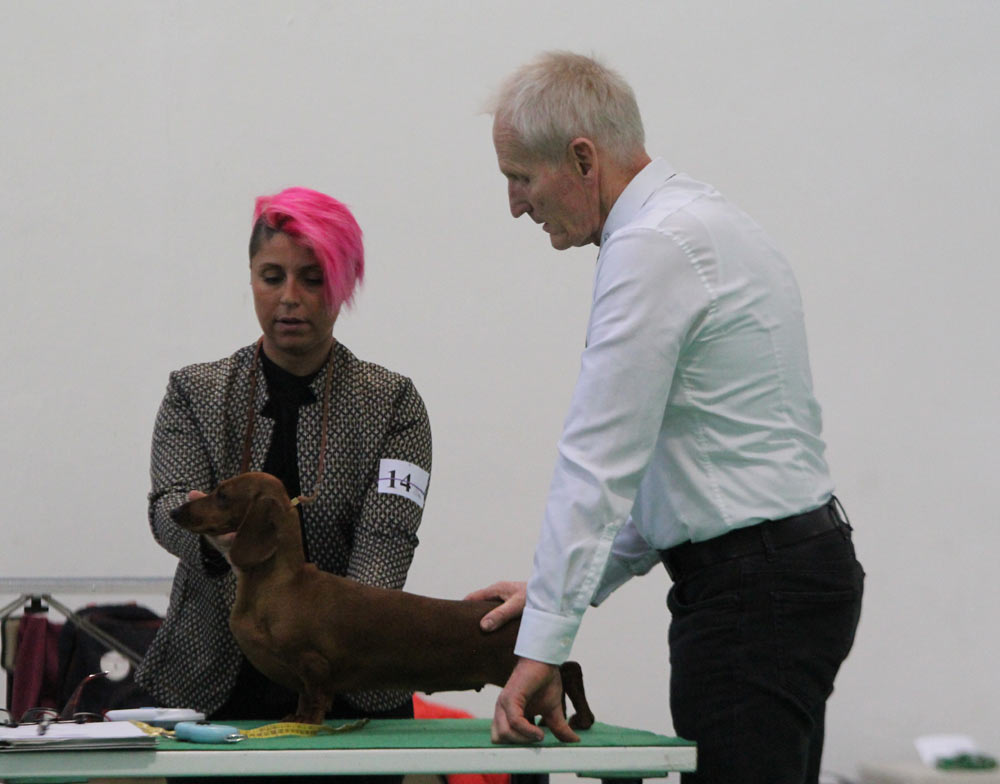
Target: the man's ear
(257, 537)
(583, 155)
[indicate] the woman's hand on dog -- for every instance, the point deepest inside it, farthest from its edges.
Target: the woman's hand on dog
(512, 594)
(223, 542)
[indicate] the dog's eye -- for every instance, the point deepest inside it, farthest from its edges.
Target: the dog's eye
(220, 496)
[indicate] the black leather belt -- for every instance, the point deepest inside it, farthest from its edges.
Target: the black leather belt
(689, 557)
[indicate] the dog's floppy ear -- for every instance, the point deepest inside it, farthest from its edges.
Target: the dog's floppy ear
(257, 537)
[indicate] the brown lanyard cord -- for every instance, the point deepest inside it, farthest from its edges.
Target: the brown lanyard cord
(252, 416)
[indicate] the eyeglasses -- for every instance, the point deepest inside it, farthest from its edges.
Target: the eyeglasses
(44, 717)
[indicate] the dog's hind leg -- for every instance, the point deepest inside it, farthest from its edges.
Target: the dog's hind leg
(572, 682)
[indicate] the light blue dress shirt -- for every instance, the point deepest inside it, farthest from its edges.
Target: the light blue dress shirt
(693, 413)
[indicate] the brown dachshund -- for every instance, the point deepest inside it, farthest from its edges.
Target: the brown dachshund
(320, 634)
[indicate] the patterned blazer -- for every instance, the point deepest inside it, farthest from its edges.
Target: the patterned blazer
(354, 527)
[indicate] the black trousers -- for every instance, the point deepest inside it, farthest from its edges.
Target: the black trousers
(256, 697)
(755, 644)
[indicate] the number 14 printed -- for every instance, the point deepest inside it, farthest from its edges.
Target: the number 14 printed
(399, 477)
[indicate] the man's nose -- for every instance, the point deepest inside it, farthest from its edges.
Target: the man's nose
(518, 204)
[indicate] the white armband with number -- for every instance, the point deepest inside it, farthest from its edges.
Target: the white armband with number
(401, 478)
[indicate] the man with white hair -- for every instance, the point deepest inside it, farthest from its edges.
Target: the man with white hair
(693, 439)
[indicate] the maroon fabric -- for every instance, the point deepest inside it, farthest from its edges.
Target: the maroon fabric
(36, 664)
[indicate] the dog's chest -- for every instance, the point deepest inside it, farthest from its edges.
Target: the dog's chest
(256, 632)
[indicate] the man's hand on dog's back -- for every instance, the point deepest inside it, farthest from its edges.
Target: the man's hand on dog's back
(512, 594)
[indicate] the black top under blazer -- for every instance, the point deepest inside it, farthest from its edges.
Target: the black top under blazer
(351, 529)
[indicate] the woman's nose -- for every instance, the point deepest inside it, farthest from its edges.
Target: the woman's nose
(290, 292)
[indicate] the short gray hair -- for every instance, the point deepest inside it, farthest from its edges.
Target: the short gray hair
(560, 96)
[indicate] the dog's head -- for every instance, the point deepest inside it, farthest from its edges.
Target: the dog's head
(253, 505)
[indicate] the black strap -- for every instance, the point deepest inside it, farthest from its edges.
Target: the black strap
(753, 539)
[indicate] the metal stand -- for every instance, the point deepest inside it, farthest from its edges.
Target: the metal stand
(39, 592)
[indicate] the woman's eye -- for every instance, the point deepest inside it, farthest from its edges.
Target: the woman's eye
(314, 282)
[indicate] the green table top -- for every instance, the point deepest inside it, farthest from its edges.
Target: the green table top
(380, 747)
(420, 734)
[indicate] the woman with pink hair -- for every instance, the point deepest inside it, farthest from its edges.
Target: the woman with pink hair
(348, 438)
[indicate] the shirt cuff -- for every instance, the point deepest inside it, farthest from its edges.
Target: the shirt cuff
(546, 637)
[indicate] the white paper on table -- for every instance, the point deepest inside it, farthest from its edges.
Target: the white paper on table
(67, 734)
(932, 748)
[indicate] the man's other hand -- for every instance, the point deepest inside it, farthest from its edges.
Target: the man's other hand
(533, 689)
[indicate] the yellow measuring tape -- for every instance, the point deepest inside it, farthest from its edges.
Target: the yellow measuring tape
(276, 730)
(304, 730)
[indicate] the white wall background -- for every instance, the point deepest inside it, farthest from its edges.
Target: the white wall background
(863, 135)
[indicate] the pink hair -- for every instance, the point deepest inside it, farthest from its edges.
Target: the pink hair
(325, 226)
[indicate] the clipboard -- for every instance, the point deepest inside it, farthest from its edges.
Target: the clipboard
(73, 736)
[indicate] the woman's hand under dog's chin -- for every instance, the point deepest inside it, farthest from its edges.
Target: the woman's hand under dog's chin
(221, 542)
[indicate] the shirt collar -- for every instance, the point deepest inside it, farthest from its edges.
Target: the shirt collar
(286, 388)
(636, 193)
